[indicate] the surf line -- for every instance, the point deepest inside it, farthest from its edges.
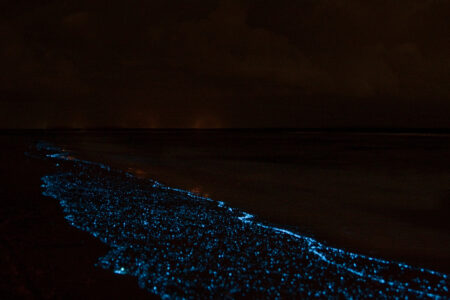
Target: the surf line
(318, 249)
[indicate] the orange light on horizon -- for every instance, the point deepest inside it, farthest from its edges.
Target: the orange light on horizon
(206, 122)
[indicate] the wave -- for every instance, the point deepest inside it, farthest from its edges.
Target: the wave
(181, 245)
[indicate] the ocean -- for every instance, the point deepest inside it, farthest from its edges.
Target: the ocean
(263, 213)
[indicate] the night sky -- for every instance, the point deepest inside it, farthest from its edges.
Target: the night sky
(205, 63)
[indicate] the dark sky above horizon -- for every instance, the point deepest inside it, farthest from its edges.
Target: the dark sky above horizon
(206, 63)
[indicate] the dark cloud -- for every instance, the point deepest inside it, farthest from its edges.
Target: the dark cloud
(225, 63)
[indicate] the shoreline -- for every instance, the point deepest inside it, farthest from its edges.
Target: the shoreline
(150, 165)
(187, 181)
(343, 263)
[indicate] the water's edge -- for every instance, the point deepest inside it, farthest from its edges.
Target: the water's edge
(179, 244)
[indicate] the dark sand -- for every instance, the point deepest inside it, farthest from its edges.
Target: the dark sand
(383, 195)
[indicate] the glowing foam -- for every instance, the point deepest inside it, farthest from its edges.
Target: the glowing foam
(179, 244)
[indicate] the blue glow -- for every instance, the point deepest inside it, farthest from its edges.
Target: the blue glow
(179, 244)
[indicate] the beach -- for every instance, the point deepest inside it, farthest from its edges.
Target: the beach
(382, 195)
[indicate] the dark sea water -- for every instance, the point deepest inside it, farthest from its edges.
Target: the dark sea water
(180, 244)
